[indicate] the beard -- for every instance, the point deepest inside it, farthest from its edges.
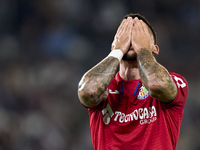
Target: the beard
(130, 56)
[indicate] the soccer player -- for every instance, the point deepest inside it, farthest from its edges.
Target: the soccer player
(141, 106)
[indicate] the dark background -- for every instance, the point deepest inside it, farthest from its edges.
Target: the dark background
(47, 45)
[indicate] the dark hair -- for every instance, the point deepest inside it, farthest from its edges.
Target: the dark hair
(140, 17)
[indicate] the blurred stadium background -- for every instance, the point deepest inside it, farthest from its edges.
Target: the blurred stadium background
(46, 46)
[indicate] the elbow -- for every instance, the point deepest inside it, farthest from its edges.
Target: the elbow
(87, 98)
(158, 86)
(155, 93)
(156, 89)
(86, 94)
(165, 92)
(158, 93)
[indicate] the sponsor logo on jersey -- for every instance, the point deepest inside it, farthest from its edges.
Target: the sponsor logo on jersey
(143, 93)
(144, 115)
(113, 92)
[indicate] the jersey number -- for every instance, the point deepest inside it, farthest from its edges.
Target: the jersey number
(179, 82)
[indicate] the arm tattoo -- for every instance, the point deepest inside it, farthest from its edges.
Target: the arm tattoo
(97, 79)
(152, 73)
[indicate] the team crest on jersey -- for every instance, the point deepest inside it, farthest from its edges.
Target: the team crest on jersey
(143, 93)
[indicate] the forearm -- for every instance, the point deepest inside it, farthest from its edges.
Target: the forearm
(94, 83)
(155, 77)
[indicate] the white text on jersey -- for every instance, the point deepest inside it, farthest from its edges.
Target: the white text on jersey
(145, 115)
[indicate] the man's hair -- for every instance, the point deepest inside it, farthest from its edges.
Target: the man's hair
(140, 17)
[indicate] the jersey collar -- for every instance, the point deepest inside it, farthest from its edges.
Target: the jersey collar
(119, 79)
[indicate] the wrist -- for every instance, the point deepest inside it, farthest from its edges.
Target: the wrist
(117, 53)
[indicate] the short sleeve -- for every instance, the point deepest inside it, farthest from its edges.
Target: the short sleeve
(182, 90)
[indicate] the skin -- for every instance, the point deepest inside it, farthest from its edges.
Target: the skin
(136, 42)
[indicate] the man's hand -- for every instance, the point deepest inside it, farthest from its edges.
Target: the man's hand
(122, 38)
(141, 36)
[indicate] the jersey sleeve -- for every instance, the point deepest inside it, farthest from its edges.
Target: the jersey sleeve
(182, 90)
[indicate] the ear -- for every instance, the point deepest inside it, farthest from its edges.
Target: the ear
(155, 50)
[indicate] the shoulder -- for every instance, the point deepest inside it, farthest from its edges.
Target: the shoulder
(175, 74)
(179, 80)
(182, 89)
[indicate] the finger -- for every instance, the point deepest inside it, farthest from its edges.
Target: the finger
(124, 27)
(129, 26)
(126, 24)
(138, 25)
(144, 27)
(122, 23)
(134, 27)
(120, 29)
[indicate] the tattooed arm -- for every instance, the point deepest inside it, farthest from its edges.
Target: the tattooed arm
(153, 75)
(93, 85)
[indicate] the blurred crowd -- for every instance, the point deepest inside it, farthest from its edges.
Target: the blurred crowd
(46, 46)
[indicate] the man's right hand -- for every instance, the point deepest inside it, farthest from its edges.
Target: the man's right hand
(122, 38)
